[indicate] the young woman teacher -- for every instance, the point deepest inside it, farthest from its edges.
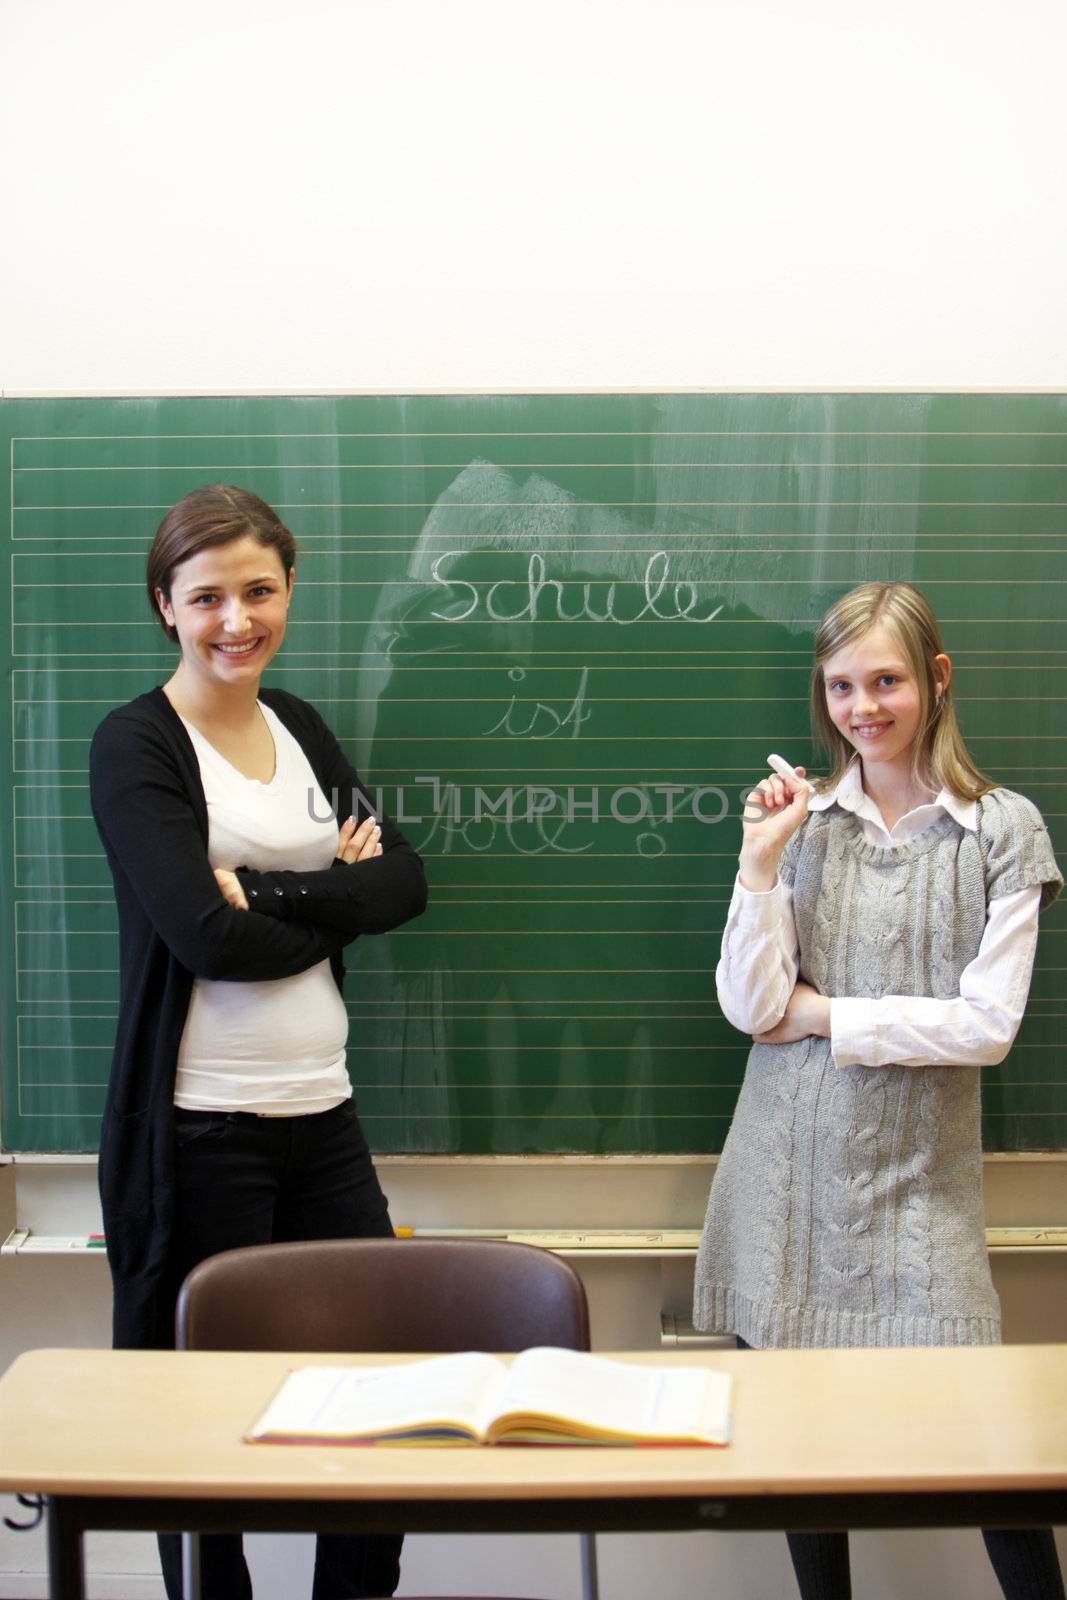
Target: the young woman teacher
(245, 857)
(879, 947)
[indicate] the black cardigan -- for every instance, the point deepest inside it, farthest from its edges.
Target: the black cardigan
(174, 925)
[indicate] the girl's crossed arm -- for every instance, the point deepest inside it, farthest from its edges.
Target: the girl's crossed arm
(974, 1028)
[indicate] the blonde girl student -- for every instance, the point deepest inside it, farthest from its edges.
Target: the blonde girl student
(878, 948)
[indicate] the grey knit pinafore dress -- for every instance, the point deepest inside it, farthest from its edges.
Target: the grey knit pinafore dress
(847, 1206)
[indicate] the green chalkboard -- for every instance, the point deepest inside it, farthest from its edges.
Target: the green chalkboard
(559, 633)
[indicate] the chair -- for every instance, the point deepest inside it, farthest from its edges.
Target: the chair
(410, 1295)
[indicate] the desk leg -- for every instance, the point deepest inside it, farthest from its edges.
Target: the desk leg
(590, 1580)
(190, 1566)
(66, 1579)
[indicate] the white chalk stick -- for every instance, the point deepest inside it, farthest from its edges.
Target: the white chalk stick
(780, 765)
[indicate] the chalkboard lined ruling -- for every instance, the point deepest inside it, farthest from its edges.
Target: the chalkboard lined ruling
(558, 634)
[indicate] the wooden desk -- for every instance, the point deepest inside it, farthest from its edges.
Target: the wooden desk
(858, 1438)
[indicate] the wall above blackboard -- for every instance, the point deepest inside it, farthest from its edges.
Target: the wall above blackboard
(560, 634)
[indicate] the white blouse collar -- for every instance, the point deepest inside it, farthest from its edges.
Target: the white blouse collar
(850, 795)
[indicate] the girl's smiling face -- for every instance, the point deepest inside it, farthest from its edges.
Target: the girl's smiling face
(874, 699)
(228, 605)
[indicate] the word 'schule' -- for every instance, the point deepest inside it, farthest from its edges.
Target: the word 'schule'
(537, 597)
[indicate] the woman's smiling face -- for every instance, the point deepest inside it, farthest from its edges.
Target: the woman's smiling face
(228, 606)
(873, 698)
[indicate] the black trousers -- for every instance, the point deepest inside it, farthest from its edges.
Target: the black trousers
(1024, 1560)
(242, 1180)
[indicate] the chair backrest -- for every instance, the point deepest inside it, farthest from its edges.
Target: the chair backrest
(435, 1295)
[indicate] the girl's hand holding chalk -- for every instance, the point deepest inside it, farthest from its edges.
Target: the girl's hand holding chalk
(773, 813)
(789, 786)
(780, 765)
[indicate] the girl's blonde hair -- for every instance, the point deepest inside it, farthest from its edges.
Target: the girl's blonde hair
(939, 757)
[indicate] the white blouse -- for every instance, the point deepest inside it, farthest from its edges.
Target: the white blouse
(276, 1047)
(760, 960)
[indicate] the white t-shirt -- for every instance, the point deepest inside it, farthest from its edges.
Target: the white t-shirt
(277, 1046)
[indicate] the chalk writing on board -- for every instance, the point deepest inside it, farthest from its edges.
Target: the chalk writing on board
(530, 819)
(488, 830)
(539, 597)
(546, 721)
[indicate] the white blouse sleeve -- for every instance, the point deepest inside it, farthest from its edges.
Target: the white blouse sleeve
(758, 966)
(976, 1029)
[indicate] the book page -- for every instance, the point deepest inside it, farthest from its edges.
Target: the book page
(616, 1399)
(441, 1395)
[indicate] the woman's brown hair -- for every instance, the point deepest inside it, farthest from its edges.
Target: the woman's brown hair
(216, 514)
(940, 759)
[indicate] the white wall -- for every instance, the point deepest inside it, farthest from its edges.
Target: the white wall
(235, 194)
(616, 194)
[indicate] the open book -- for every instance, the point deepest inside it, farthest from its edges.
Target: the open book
(545, 1396)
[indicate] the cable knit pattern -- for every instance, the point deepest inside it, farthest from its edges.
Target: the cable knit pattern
(879, 953)
(857, 1106)
(822, 860)
(847, 1207)
(943, 973)
(778, 1175)
(914, 1268)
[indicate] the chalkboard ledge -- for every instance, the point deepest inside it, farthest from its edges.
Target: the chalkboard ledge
(614, 1162)
(667, 1244)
